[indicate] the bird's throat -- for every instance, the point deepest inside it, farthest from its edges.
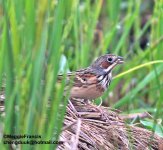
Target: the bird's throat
(105, 80)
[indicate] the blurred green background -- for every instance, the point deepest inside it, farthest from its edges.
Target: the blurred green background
(39, 38)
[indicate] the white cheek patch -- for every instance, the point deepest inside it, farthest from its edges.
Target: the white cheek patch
(110, 67)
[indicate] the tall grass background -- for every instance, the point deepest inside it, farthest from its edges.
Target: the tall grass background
(39, 39)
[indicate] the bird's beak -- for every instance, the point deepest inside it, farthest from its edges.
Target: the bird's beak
(120, 60)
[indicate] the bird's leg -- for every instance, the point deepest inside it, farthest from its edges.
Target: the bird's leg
(73, 108)
(100, 102)
(97, 108)
(87, 101)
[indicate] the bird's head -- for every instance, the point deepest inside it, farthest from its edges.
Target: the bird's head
(106, 63)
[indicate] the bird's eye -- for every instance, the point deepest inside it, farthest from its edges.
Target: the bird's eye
(84, 79)
(110, 59)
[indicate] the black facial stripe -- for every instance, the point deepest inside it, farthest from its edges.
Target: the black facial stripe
(100, 77)
(105, 81)
(108, 82)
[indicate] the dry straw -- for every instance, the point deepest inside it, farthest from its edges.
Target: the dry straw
(87, 126)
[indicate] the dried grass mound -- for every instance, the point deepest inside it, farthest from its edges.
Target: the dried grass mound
(89, 127)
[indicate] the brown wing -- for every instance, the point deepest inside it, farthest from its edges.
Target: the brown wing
(79, 78)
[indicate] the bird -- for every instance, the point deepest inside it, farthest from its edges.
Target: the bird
(91, 82)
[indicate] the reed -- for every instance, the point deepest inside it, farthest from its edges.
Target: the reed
(36, 34)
